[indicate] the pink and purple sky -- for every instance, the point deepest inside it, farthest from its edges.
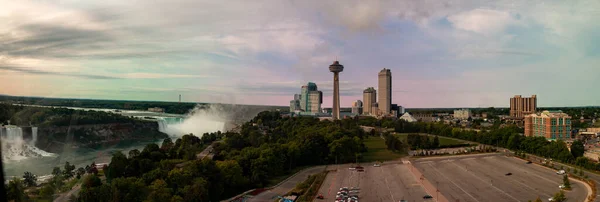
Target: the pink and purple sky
(460, 53)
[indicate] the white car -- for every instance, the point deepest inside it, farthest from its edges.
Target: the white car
(376, 165)
(352, 168)
(560, 172)
(562, 186)
(551, 199)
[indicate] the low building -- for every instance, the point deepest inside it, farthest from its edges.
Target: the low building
(425, 117)
(156, 109)
(462, 114)
(549, 124)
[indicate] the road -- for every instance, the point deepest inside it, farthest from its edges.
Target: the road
(557, 165)
(65, 196)
(287, 185)
(483, 178)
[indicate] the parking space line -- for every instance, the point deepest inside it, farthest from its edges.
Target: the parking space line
(490, 183)
(436, 170)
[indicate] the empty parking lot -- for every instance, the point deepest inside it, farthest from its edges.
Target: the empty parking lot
(390, 182)
(483, 178)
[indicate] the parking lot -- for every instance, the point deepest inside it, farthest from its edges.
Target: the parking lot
(483, 178)
(389, 182)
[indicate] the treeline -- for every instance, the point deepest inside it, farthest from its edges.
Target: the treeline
(170, 107)
(267, 147)
(43, 116)
(507, 137)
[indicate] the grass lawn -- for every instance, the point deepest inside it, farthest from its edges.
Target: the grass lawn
(443, 140)
(377, 151)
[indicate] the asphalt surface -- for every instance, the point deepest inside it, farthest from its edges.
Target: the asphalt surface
(557, 165)
(286, 185)
(482, 178)
(389, 182)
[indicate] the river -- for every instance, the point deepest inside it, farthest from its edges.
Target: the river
(197, 122)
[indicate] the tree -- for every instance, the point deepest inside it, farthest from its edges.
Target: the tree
(68, 172)
(577, 149)
(91, 181)
(16, 190)
(198, 191)
(117, 166)
(56, 171)
(538, 199)
(566, 182)
(436, 142)
(159, 192)
(29, 179)
(560, 196)
(80, 172)
(133, 153)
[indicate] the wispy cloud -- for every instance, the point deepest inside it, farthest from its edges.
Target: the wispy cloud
(242, 50)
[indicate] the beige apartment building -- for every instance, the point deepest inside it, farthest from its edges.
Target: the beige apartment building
(522, 106)
(385, 91)
(369, 99)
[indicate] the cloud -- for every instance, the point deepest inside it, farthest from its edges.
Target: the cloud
(242, 50)
(41, 72)
(482, 21)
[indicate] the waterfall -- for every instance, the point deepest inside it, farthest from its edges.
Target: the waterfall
(15, 147)
(33, 136)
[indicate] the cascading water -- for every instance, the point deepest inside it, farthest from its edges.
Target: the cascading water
(198, 122)
(16, 148)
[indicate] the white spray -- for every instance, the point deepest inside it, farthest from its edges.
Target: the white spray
(207, 119)
(15, 148)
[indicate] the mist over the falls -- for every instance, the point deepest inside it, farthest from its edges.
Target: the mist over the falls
(200, 120)
(207, 118)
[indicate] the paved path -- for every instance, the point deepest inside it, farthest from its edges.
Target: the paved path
(286, 185)
(65, 196)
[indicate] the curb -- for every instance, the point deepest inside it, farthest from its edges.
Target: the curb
(587, 186)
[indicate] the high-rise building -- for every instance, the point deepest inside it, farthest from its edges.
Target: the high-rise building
(549, 124)
(522, 106)
(357, 107)
(369, 98)
(308, 101)
(385, 91)
(462, 114)
(336, 68)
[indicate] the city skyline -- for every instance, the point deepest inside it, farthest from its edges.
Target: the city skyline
(470, 53)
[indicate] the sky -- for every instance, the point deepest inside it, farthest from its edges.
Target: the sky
(458, 53)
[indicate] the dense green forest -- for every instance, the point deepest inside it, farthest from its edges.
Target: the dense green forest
(267, 147)
(44, 116)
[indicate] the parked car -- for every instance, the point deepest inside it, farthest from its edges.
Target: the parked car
(507, 174)
(427, 196)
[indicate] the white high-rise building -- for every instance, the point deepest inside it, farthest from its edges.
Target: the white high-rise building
(357, 107)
